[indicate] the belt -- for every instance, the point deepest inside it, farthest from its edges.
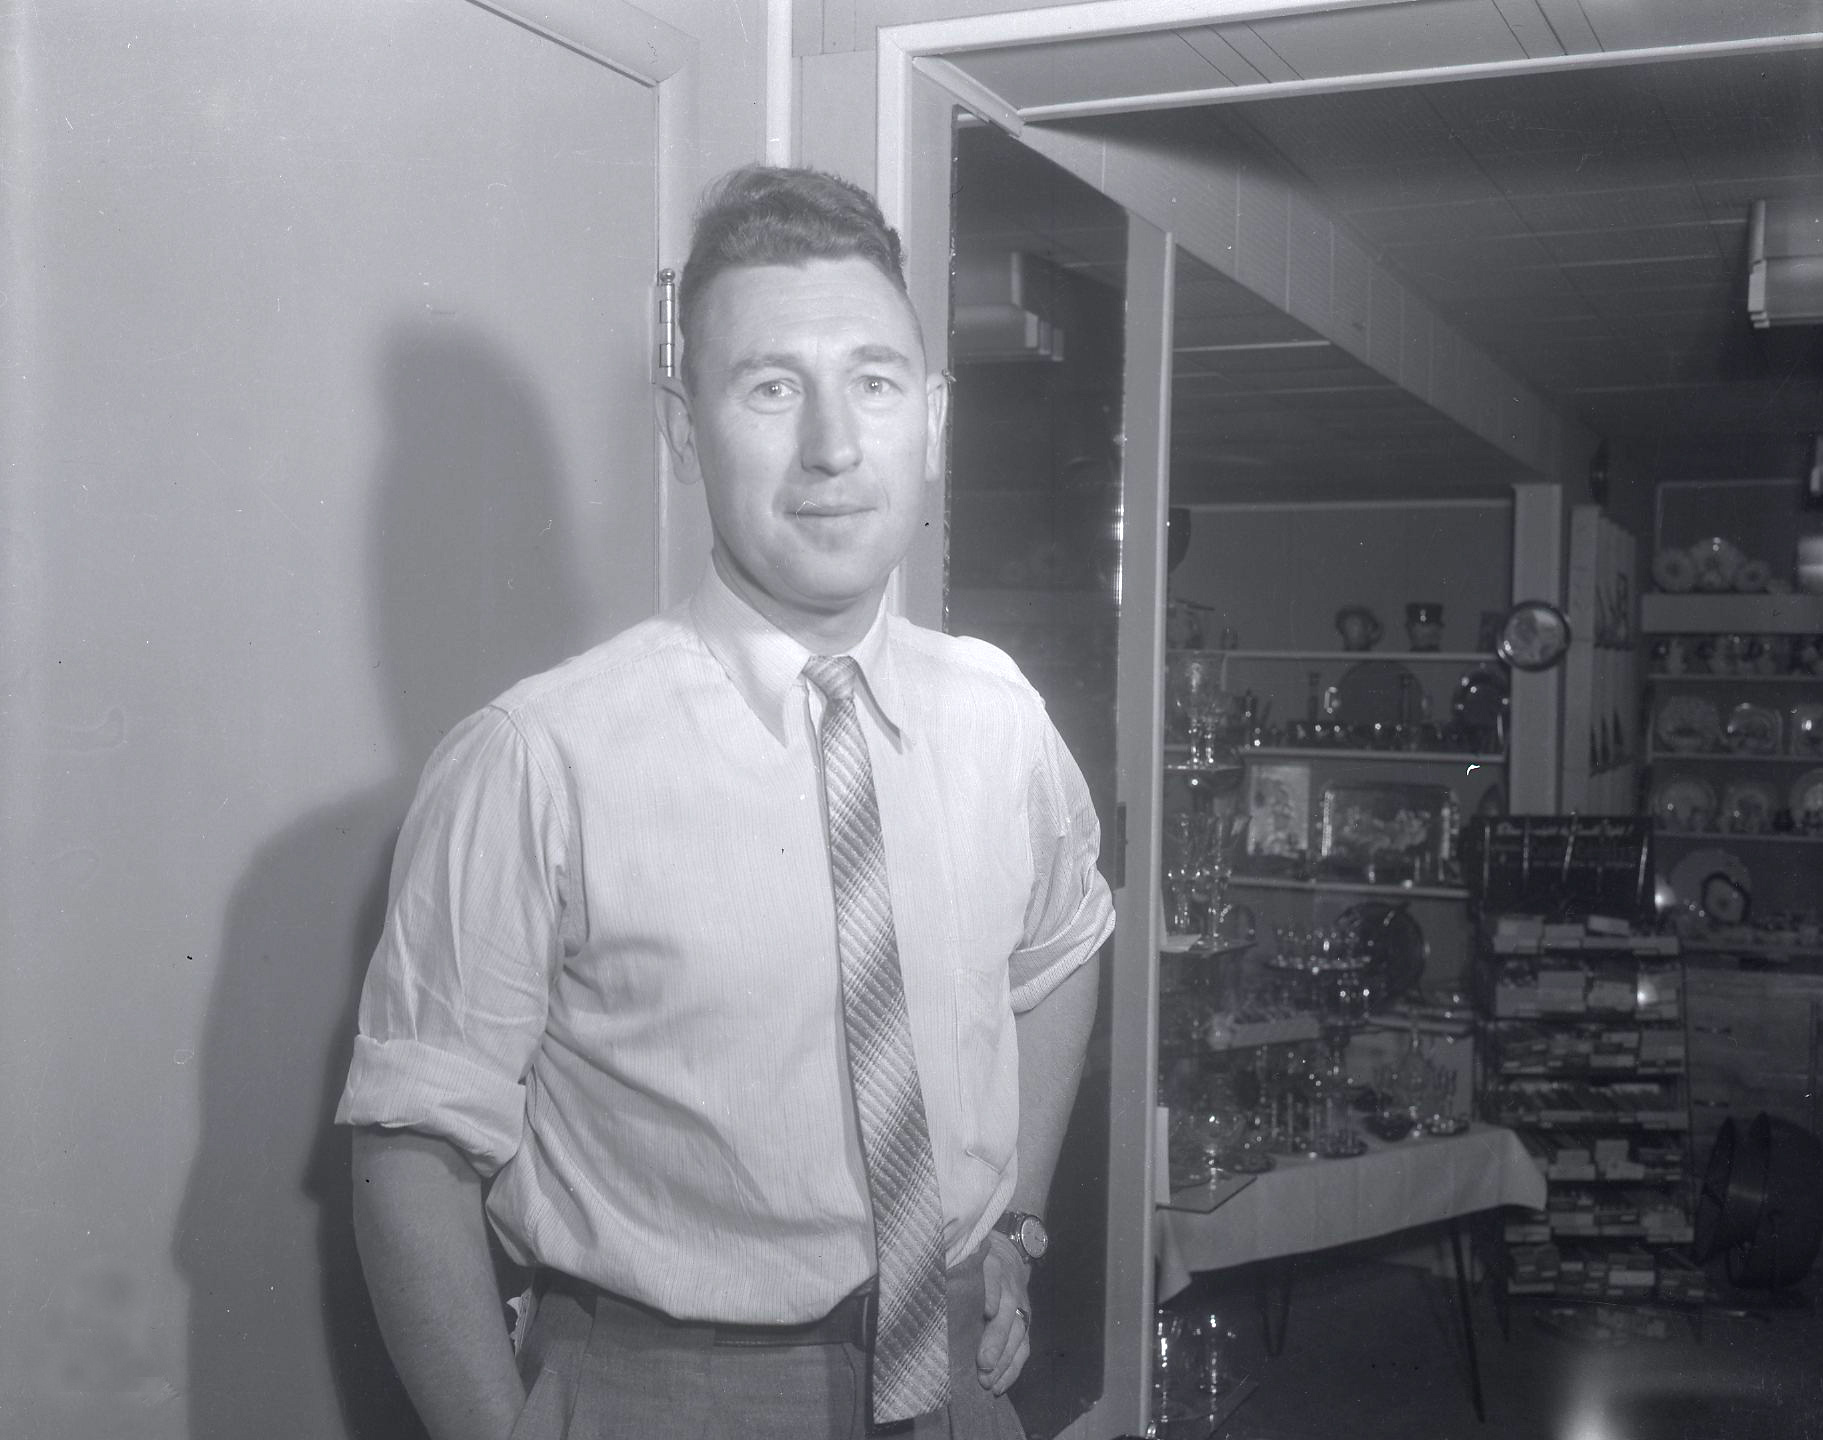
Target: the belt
(850, 1323)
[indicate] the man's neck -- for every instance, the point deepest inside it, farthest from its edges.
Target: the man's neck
(822, 633)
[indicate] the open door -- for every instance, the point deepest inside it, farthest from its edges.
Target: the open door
(1059, 337)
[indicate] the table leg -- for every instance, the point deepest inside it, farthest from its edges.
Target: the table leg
(1468, 1320)
(1484, 1236)
(1276, 1275)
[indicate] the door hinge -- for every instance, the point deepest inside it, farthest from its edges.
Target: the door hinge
(667, 324)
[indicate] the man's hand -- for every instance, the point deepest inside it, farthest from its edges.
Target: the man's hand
(1007, 1343)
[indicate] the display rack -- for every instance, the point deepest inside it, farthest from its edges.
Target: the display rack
(1751, 780)
(1584, 1054)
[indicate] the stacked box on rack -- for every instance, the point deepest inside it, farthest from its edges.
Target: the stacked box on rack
(1681, 1280)
(1585, 1058)
(1528, 1227)
(1533, 1269)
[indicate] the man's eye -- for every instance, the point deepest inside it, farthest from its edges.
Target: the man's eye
(771, 390)
(877, 385)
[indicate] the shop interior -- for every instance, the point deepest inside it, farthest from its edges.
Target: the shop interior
(1362, 706)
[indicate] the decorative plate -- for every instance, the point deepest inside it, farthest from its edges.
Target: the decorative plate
(1380, 692)
(1804, 729)
(1807, 796)
(1692, 879)
(1752, 577)
(1754, 730)
(1717, 560)
(1683, 803)
(1674, 572)
(1688, 724)
(1747, 807)
(1395, 945)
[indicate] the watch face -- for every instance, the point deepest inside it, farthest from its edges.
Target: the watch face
(1032, 1237)
(1535, 636)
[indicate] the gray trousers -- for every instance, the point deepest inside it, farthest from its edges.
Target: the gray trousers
(610, 1371)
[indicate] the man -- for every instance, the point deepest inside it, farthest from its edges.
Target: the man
(738, 972)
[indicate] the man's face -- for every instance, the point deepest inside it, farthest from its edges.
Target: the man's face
(817, 435)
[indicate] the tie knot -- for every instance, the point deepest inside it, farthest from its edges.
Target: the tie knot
(834, 675)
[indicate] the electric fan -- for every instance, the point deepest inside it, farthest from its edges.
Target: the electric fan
(1761, 1205)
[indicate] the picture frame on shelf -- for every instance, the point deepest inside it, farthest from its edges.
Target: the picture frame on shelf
(1388, 832)
(1278, 826)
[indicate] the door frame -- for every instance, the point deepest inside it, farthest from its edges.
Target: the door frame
(916, 90)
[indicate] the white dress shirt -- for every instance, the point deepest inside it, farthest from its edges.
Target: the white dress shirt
(609, 976)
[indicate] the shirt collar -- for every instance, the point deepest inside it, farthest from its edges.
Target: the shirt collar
(767, 665)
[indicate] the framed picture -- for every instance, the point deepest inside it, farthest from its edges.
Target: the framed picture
(1278, 811)
(1389, 832)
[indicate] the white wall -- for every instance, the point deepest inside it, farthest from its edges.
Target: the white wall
(324, 417)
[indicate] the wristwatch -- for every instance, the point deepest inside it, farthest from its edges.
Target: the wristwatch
(1027, 1233)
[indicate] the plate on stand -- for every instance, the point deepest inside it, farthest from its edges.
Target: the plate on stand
(1753, 730)
(1804, 732)
(1683, 803)
(1695, 881)
(1807, 797)
(1747, 807)
(1688, 724)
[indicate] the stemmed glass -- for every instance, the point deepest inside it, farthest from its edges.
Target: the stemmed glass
(1181, 864)
(1207, 709)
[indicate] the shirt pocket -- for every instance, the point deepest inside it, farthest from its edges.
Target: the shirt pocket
(987, 1068)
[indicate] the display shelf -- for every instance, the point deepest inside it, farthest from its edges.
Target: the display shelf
(1211, 1195)
(1409, 757)
(1734, 837)
(1421, 657)
(1762, 949)
(1727, 757)
(1185, 767)
(1205, 1427)
(1348, 887)
(1665, 677)
(1661, 614)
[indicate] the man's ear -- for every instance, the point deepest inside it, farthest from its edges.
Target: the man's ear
(936, 417)
(673, 404)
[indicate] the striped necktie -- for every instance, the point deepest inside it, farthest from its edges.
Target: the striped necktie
(911, 1328)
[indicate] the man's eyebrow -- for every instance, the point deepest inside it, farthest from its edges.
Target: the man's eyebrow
(871, 354)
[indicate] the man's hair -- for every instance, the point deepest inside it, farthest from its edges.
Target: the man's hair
(774, 215)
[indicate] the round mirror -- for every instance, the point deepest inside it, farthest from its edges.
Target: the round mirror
(1534, 636)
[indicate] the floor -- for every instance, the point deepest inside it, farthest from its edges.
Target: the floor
(1373, 1349)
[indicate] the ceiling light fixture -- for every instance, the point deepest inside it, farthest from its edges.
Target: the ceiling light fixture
(1785, 262)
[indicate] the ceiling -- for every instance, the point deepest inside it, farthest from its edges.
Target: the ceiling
(1586, 228)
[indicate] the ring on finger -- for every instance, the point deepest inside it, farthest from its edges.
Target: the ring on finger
(1025, 1315)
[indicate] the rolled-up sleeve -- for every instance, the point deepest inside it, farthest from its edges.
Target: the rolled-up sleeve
(1070, 911)
(455, 1000)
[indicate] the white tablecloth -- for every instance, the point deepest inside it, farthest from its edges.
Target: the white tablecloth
(1306, 1205)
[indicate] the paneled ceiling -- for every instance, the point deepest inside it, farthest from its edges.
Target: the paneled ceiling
(1586, 227)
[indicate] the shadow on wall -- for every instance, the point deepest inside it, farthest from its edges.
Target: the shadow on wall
(470, 589)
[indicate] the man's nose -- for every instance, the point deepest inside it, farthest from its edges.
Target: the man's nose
(829, 440)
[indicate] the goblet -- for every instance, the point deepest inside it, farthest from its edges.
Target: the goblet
(1209, 711)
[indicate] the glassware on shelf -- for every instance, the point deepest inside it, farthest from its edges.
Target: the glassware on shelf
(1212, 715)
(1192, 1368)
(1180, 862)
(1199, 852)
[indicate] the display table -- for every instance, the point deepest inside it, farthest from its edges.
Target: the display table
(1305, 1205)
(1302, 1206)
